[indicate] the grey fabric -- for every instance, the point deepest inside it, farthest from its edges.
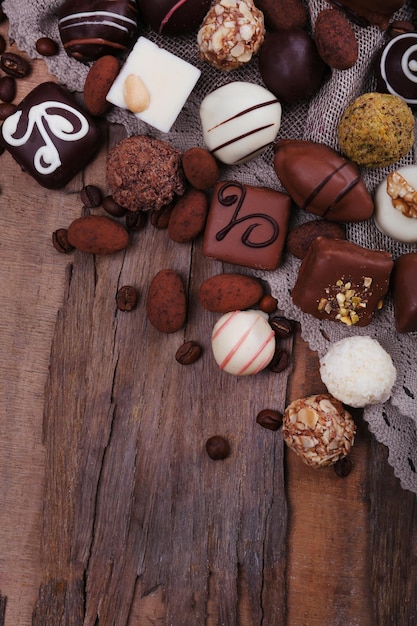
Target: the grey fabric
(393, 423)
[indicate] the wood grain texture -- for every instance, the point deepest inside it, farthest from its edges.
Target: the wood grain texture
(131, 497)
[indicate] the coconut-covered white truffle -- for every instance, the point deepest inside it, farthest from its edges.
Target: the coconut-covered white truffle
(319, 429)
(243, 342)
(358, 371)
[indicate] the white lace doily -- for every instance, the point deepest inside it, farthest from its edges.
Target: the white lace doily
(394, 423)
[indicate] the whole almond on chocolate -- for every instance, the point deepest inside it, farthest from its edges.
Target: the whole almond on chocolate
(97, 234)
(166, 303)
(229, 292)
(335, 39)
(188, 216)
(299, 239)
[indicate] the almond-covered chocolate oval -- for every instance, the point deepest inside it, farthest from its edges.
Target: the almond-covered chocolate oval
(321, 181)
(97, 234)
(166, 303)
(229, 292)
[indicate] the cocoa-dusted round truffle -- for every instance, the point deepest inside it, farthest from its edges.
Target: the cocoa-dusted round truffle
(290, 64)
(376, 130)
(145, 173)
(319, 429)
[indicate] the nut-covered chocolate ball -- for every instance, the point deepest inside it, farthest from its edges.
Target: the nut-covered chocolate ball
(319, 429)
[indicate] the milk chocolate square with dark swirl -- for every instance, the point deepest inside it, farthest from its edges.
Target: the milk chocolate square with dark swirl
(246, 225)
(341, 281)
(50, 135)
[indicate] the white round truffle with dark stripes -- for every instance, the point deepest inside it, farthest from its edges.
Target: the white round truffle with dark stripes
(239, 121)
(243, 342)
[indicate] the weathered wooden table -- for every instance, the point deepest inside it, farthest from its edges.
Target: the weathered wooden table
(111, 511)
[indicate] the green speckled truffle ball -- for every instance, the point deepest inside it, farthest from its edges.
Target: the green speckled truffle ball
(376, 130)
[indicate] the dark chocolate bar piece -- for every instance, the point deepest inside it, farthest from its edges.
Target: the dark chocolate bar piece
(404, 292)
(50, 135)
(341, 281)
(246, 225)
(90, 29)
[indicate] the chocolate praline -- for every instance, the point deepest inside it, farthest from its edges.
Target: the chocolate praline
(171, 17)
(396, 68)
(404, 292)
(90, 29)
(290, 64)
(366, 12)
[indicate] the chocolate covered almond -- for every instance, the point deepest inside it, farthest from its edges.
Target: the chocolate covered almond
(321, 181)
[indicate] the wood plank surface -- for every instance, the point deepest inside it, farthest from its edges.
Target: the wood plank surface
(111, 512)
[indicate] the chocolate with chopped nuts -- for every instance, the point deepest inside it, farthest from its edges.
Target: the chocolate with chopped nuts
(341, 281)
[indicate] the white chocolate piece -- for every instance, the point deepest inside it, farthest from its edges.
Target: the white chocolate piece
(239, 120)
(390, 220)
(243, 342)
(168, 79)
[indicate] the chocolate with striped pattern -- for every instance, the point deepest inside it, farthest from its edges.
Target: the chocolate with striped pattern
(90, 29)
(321, 181)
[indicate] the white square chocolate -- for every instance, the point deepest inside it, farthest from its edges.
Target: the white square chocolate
(168, 79)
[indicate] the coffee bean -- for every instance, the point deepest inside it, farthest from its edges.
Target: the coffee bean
(2, 44)
(280, 361)
(7, 88)
(47, 47)
(268, 303)
(282, 327)
(91, 196)
(6, 109)
(160, 218)
(60, 241)
(135, 220)
(188, 353)
(112, 208)
(127, 298)
(343, 467)
(268, 418)
(14, 65)
(217, 447)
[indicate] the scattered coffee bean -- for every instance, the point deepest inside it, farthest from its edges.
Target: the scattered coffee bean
(127, 298)
(14, 65)
(268, 418)
(2, 44)
(280, 361)
(282, 327)
(60, 241)
(112, 208)
(91, 196)
(6, 109)
(47, 47)
(217, 447)
(268, 303)
(160, 218)
(343, 467)
(135, 220)
(7, 88)
(188, 353)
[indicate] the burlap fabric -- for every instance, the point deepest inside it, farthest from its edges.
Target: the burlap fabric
(394, 423)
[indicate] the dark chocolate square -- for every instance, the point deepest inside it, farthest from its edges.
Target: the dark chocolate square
(341, 281)
(404, 292)
(50, 135)
(246, 225)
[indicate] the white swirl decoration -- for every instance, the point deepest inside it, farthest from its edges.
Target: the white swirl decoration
(398, 67)
(46, 159)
